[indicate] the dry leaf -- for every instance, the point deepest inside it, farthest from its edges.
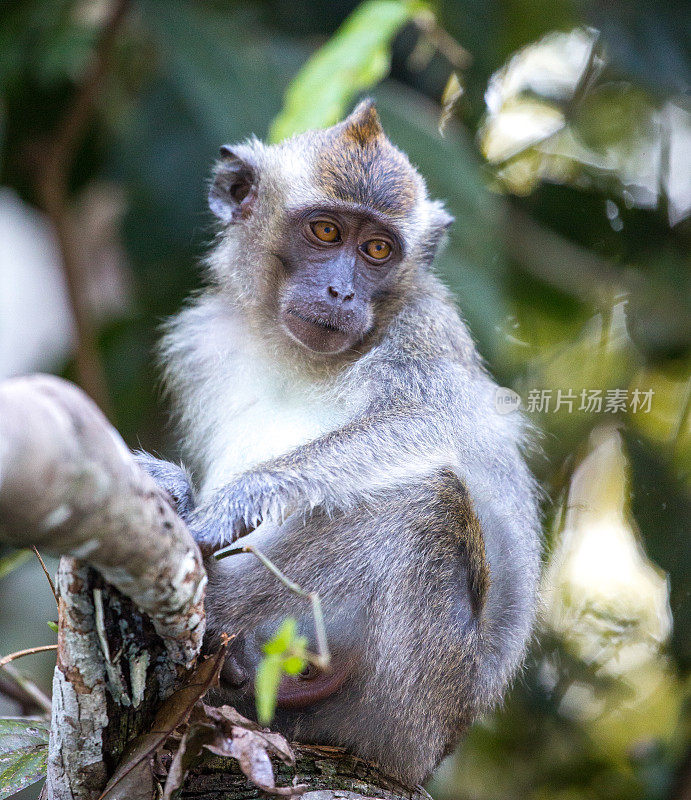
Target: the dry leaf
(453, 91)
(224, 732)
(187, 753)
(274, 741)
(174, 712)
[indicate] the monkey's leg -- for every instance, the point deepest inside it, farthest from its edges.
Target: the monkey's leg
(402, 586)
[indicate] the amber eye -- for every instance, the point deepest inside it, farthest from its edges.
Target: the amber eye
(325, 231)
(377, 249)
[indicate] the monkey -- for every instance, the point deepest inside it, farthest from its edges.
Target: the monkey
(334, 411)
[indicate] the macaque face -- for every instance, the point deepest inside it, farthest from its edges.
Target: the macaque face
(336, 263)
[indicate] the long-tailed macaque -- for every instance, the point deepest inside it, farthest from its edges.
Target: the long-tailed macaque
(331, 402)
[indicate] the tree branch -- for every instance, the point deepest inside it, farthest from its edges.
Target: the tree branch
(328, 772)
(323, 657)
(28, 652)
(46, 573)
(69, 486)
(23, 691)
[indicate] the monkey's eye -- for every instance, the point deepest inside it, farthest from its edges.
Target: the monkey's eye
(377, 249)
(325, 231)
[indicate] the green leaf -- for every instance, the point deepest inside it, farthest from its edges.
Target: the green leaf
(283, 638)
(356, 58)
(285, 653)
(293, 665)
(13, 560)
(266, 683)
(23, 753)
(52, 625)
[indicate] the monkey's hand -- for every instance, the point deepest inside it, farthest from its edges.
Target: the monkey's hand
(171, 478)
(239, 508)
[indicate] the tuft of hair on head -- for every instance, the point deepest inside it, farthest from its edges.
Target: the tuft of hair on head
(355, 162)
(362, 125)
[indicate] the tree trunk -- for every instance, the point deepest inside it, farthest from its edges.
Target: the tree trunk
(130, 589)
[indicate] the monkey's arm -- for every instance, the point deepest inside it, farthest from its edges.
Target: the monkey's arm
(336, 471)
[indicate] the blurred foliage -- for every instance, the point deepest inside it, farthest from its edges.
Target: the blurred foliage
(284, 654)
(572, 278)
(12, 560)
(356, 58)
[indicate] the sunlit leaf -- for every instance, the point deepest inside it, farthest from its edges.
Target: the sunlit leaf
(553, 69)
(453, 91)
(283, 637)
(522, 123)
(527, 100)
(356, 58)
(266, 684)
(547, 120)
(23, 753)
(601, 591)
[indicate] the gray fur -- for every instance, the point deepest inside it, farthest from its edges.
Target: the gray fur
(175, 479)
(359, 480)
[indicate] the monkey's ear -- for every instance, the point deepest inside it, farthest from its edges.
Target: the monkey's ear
(440, 222)
(441, 219)
(233, 187)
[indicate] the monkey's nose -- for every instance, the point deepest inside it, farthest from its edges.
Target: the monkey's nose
(339, 294)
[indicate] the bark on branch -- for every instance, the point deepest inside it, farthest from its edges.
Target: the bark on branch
(69, 486)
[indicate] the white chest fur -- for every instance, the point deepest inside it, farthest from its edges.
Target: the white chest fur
(256, 416)
(240, 406)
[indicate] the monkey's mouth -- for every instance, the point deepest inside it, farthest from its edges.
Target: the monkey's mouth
(315, 332)
(320, 323)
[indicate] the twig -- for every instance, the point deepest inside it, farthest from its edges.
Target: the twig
(45, 572)
(24, 691)
(442, 41)
(28, 652)
(683, 419)
(53, 188)
(323, 659)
